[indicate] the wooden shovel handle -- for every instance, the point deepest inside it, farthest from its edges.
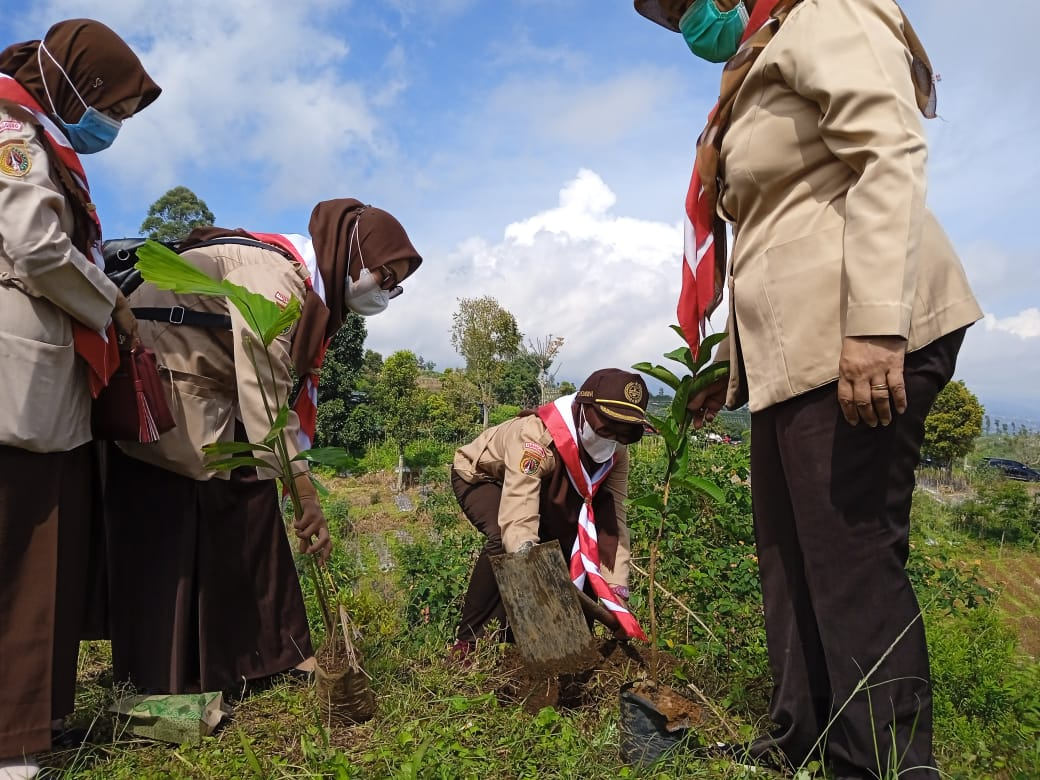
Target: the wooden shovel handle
(597, 611)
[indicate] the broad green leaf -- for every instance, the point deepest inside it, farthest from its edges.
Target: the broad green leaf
(702, 486)
(708, 376)
(279, 425)
(660, 373)
(234, 463)
(288, 316)
(167, 270)
(335, 457)
(233, 448)
(706, 346)
(649, 501)
(681, 355)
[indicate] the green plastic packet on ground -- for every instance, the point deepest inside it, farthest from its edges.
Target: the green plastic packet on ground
(180, 719)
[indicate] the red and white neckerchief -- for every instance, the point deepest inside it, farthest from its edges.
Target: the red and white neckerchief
(701, 290)
(559, 421)
(306, 404)
(98, 349)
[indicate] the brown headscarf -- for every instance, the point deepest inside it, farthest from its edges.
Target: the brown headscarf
(381, 239)
(98, 62)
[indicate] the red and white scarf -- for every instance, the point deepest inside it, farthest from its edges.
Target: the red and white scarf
(584, 563)
(98, 348)
(306, 404)
(704, 234)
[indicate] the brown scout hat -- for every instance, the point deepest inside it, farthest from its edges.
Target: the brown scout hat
(616, 394)
(666, 13)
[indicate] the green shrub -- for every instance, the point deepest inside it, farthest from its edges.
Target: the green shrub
(434, 574)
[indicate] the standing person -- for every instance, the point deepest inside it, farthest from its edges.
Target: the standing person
(847, 309)
(60, 97)
(204, 592)
(558, 472)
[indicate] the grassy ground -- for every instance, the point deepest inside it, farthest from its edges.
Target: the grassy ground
(435, 719)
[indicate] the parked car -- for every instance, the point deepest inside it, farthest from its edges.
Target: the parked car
(1012, 469)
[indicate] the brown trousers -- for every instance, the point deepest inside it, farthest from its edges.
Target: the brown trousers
(45, 504)
(832, 522)
(203, 589)
(483, 602)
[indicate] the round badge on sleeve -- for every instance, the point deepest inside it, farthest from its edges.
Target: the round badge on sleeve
(15, 159)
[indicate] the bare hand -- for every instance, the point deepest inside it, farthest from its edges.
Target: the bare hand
(707, 403)
(312, 524)
(870, 379)
(125, 322)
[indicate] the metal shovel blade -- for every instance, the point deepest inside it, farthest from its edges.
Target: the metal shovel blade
(544, 611)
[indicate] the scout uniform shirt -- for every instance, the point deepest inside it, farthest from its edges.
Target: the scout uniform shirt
(209, 372)
(519, 454)
(45, 283)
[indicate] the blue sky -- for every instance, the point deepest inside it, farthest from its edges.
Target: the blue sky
(537, 151)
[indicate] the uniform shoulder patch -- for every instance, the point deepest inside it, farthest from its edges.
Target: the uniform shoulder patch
(534, 448)
(281, 298)
(15, 159)
(10, 124)
(531, 459)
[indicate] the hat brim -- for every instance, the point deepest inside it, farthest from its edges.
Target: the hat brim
(651, 9)
(627, 416)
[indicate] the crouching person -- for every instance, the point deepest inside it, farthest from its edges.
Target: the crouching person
(557, 472)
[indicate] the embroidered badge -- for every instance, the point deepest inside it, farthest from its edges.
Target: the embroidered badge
(282, 299)
(15, 159)
(634, 392)
(10, 124)
(535, 447)
(529, 464)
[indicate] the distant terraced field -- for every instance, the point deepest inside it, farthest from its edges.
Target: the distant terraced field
(1017, 575)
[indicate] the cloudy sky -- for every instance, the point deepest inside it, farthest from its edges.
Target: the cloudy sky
(537, 151)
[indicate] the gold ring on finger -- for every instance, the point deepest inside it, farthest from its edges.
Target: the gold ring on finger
(879, 387)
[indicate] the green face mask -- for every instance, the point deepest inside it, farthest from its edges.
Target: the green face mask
(712, 34)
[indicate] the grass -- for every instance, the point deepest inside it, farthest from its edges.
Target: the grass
(438, 720)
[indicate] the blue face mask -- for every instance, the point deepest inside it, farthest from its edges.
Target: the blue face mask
(712, 34)
(94, 131)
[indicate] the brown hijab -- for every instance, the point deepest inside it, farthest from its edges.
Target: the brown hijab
(381, 239)
(98, 62)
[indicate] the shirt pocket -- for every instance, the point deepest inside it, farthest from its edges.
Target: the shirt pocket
(805, 292)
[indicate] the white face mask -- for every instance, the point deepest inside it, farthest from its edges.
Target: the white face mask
(598, 448)
(365, 296)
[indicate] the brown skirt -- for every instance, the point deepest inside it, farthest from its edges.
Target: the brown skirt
(44, 519)
(203, 591)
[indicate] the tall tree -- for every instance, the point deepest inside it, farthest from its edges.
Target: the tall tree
(953, 424)
(175, 215)
(398, 398)
(341, 390)
(543, 352)
(486, 335)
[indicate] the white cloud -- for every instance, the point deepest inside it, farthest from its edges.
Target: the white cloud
(1025, 324)
(253, 89)
(606, 283)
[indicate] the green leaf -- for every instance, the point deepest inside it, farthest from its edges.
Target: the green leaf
(660, 373)
(234, 463)
(710, 375)
(167, 270)
(705, 347)
(233, 448)
(703, 486)
(288, 316)
(335, 457)
(279, 425)
(681, 355)
(649, 501)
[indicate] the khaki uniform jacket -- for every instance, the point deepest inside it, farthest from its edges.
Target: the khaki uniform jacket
(823, 171)
(209, 373)
(496, 456)
(45, 283)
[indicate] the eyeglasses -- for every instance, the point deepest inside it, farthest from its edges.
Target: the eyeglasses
(388, 279)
